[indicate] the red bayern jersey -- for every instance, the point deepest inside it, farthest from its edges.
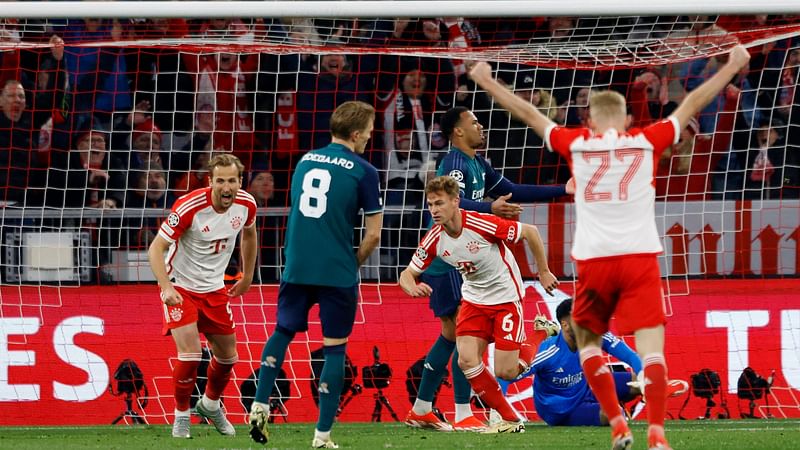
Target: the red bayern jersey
(203, 239)
(615, 188)
(491, 275)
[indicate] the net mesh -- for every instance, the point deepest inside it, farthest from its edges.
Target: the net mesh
(113, 120)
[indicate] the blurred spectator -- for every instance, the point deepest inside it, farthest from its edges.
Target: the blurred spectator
(147, 189)
(649, 99)
(765, 175)
(409, 107)
(320, 90)
(262, 187)
(578, 108)
(50, 85)
(405, 179)
(513, 146)
(9, 58)
(19, 169)
(405, 184)
(225, 85)
(89, 178)
(96, 91)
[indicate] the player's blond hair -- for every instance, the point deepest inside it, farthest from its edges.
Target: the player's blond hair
(350, 117)
(605, 105)
(444, 183)
(224, 160)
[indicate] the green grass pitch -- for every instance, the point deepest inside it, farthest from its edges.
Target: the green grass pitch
(684, 435)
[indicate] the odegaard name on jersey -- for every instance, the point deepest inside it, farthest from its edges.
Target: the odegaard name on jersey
(317, 157)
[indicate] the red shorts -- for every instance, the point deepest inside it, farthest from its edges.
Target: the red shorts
(627, 287)
(501, 324)
(211, 311)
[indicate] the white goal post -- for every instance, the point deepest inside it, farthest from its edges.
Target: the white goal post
(385, 9)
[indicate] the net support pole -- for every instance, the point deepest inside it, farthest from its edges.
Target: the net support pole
(384, 9)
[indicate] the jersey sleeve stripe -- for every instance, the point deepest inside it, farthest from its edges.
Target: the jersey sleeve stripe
(431, 236)
(547, 132)
(543, 356)
(676, 128)
(191, 204)
(481, 224)
(165, 233)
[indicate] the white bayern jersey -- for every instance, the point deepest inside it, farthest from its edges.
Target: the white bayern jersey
(203, 239)
(615, 186)
(490, 272)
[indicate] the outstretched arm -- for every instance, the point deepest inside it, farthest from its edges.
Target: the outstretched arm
(703, 94)
(481, 73)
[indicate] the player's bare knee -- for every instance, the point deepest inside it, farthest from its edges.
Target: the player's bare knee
(506, 373)
(465, 362)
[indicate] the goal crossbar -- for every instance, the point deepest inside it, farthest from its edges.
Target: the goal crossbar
(383, 9)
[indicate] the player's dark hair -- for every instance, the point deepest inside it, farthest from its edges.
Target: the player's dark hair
(444, 183)
(350, 117)
(564, 309)
(224, 160)
(450, 120)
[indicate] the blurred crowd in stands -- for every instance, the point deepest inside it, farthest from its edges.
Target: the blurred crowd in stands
(132, 126)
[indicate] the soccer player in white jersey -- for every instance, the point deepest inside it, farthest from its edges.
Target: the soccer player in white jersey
(616, 241)
(491, 309)
(198, 238)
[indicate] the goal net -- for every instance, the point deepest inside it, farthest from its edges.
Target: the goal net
(107, 121)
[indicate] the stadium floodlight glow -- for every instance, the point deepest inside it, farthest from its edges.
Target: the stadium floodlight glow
(382, 9)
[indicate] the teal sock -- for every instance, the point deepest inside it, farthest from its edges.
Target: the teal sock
(434, 368)
(330, 386)
(271, 360)
(462, 391)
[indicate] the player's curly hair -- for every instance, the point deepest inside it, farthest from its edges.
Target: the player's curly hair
(449, 120)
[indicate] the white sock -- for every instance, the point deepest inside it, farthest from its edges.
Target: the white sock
(187, 413)
(421, 407)
(322, 435)
(463, 410)
(212, 405)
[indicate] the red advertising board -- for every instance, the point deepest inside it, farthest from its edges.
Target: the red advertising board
(58, 355)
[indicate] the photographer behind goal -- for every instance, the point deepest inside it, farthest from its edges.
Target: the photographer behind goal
(560, 392)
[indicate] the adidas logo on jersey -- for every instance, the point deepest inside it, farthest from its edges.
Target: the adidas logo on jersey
(206, 229)
(508, 337)
(427, 366)
(560, 370)
(446, 253)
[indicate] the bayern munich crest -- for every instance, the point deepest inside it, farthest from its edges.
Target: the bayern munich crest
(176, 314)
(236, 222)
(173, 220)
(473, 246)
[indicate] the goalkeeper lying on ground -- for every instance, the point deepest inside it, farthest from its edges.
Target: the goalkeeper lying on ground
(560, 391)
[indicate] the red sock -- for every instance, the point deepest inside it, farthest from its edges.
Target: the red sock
(655, 386)
(528, 350)
(219, 373)
(601, 381)
(487, 389)
(184, 375)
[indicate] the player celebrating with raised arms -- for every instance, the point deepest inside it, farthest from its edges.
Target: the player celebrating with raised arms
(329, 187)
(491, 308)
(199, 236)
(476, 179)
(616, 239)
